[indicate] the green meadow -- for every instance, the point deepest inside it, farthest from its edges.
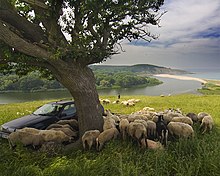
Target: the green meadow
(185, 157)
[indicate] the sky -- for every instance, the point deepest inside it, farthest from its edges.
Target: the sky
(189, 37)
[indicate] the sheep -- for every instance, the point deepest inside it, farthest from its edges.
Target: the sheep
(55, 125)
(180, 129)
(150, 144)
(123, 125)
(207, 124)
(161, 129)
(201, 115)
(141, 121)
(109, 123)
(55, 136)
(148, 109)
(29, 130)
(151, 129)
(67, 131)
(72, 122)
(193, 116)
(89, 137)
(106, 136)
(186, 120)
(137, 131)
(116, 102)
(25, 138)
(106, 101)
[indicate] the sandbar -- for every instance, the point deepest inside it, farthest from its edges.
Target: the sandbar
(180, 77)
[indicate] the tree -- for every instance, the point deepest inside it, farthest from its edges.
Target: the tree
(63, 37)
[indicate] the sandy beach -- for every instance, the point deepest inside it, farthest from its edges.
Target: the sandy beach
(180, 77)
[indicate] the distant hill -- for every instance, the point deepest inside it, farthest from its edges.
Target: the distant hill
(139, 68)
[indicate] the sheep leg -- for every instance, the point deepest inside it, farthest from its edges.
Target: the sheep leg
(90, 144)
(84, 145)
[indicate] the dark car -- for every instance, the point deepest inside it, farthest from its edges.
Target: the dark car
(42, 117)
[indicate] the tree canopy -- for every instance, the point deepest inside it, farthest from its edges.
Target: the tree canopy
(63, 37)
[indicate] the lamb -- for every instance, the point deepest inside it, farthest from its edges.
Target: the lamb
(89, 137)
(137, 131)
(186, 120)
(123, 125)
(161, 129)
(72, 122)
(150, 144)
(55, 136)
(207, 124)
(25, 138)
(106, 136)
(180, 129)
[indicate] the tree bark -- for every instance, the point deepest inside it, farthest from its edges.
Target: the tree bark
(81, 84)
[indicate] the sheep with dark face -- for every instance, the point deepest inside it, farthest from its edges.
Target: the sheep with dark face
(193, 116)
(161, 129)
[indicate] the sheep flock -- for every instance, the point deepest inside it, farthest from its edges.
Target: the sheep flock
(147, 128)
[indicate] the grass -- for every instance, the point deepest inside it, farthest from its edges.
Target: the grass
(197, 157)
(212, 87)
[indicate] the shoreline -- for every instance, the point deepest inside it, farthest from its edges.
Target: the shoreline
(187, 78)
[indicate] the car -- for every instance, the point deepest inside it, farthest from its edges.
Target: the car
(41, 118)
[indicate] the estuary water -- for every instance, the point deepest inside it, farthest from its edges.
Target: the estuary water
(169, 86)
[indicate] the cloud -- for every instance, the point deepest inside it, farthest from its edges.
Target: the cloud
(189, 34)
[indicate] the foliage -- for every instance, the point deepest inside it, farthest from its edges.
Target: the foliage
(33, 82)
(199, 157)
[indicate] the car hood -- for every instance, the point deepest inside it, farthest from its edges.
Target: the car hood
(25, 121)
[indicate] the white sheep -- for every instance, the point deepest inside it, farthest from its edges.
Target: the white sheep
(25, 138)
(108, 123)
(29, 130)
(106, 136)
(201, 115)
(151, 129)
(55, 136)
(207, 124)
(186, 120)
(123, 125)
(89, 137)
(141, 121)
(67, 131)
(72, 122)
(56, 125)
(180, 129)
(137, 131)
(150, 144)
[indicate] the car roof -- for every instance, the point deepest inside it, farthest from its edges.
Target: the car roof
(62, 102)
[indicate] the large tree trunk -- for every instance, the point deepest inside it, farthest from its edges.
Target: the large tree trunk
(81, 84)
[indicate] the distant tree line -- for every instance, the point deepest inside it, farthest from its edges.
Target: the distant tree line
(33, 82)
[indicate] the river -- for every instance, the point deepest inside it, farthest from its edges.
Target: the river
(169, 86)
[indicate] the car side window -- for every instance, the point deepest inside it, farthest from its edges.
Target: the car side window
(69, 110)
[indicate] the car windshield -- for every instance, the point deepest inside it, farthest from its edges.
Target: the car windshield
(48, 109)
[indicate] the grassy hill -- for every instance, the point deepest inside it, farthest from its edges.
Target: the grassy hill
(139, 68)
(197, 157)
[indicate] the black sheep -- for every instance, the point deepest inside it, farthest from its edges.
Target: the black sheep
(161, 129)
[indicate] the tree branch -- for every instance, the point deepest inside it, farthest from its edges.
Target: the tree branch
(36, 3)
(29, 30)
(15, 41)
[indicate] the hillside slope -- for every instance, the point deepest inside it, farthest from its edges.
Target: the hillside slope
(139, 68)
